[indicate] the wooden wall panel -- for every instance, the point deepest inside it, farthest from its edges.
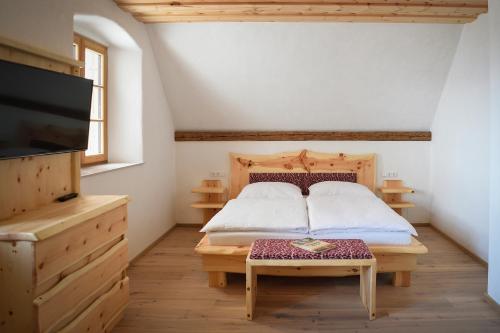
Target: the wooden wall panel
(301, 136)
(31, 182)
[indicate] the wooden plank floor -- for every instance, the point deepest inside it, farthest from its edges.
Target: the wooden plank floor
(169, 293)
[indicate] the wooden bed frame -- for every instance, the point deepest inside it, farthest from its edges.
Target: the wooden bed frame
(218, 260)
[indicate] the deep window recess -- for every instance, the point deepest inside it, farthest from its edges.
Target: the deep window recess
(94, 56)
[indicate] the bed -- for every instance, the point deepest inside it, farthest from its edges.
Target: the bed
(224, 248)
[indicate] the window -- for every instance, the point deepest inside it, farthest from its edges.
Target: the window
(94, 56)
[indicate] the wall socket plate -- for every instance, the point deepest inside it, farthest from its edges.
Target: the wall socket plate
(390, 174)
(217, 174)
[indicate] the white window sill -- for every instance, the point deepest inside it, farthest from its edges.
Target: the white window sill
(107, 167)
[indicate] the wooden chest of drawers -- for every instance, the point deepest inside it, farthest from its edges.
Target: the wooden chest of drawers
(63, 267)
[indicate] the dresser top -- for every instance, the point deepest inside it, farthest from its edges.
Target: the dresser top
(44, 222)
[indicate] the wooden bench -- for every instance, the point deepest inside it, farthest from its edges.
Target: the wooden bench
(279, 253)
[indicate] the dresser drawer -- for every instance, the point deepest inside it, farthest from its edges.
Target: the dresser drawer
(56, 253)
(77, 291)
(53, 281)
(100, 316)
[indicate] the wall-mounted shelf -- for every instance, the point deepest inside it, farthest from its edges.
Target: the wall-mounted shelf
(392, 194)
(214, 198)
(389, 190)
(208, 189)
(403, 204)
(208, 205)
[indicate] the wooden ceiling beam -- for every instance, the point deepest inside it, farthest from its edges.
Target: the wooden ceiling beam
(301, 9)
(415, 11)
(455, 3)
(303, 18)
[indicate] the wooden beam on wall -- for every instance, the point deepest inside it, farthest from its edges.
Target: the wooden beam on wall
(301, 136)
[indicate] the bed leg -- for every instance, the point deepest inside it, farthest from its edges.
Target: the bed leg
(401, 279)
(217, 279)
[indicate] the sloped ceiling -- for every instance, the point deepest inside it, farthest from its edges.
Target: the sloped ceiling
(303, 76)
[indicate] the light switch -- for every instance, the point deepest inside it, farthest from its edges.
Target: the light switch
(390, 174)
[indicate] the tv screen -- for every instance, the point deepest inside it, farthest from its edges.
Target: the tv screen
(42, 112)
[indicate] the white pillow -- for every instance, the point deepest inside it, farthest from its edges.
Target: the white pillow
(330, 188)
(270, 190)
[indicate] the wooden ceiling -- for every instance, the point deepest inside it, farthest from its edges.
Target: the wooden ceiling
(417, 11)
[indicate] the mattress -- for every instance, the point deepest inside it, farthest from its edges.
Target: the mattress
(346, 216)
(369, 237)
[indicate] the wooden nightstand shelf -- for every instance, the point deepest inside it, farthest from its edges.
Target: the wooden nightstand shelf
(214, 198)
(392, 193)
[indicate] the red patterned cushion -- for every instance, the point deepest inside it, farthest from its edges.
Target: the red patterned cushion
(301, 179)
(282, 249)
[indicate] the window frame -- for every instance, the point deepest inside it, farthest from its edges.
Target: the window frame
(83, 43)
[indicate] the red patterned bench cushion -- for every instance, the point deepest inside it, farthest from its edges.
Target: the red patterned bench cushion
(282, 249)
(301, 179)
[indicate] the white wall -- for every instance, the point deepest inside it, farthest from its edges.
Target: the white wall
(494, 253)
(195, 160)
(315, 76)
(460, 145)
(304, 76)
(49, 24)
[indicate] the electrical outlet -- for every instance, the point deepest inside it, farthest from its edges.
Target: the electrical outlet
(390, 174)
(217, 174)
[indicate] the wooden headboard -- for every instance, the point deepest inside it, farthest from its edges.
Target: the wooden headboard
(304, 161)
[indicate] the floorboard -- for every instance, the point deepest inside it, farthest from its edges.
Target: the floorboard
(169, 293)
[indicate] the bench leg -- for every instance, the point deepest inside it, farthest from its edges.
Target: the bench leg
(217, 279)
(251, 290)
(362, 284)
(401, 279)
(368, 289)
(372, 291)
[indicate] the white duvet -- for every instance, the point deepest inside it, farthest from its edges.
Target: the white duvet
(353, 213)
(255, 214)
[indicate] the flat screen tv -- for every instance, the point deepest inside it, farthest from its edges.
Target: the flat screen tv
(42, 112)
